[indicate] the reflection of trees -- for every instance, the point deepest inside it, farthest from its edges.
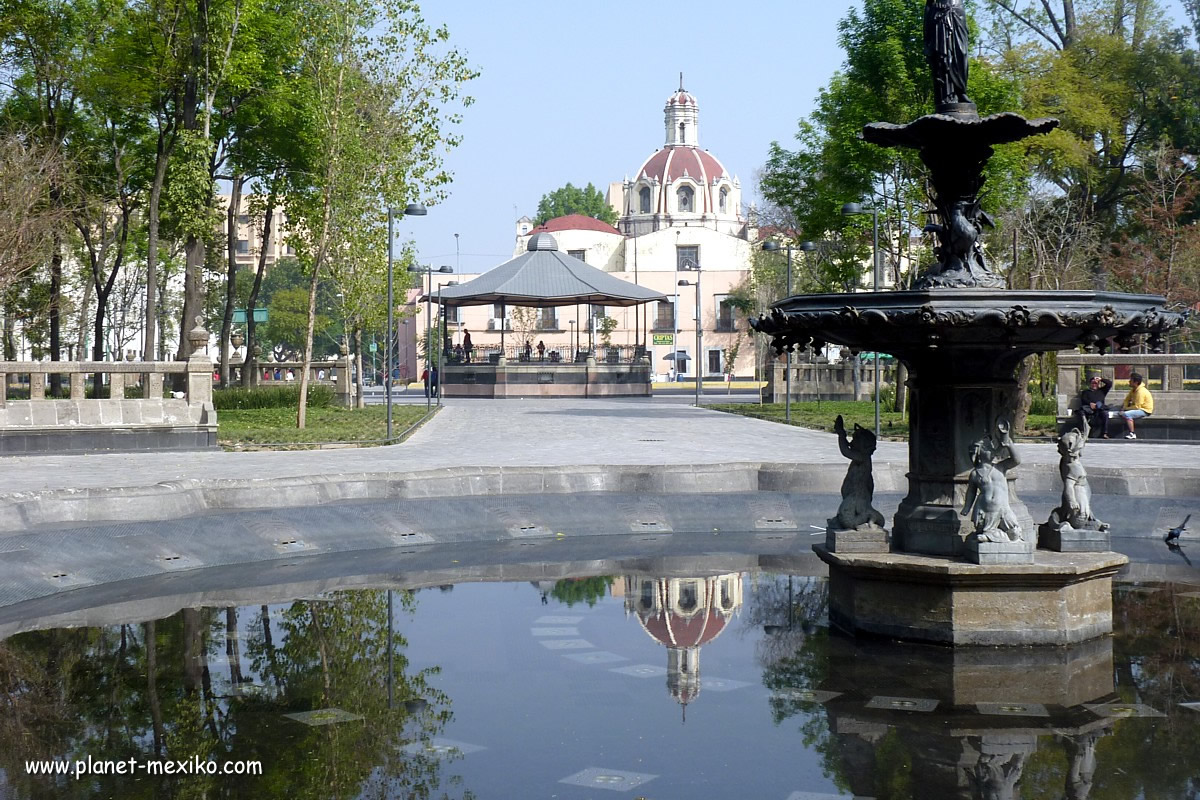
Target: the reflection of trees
(786, 608)
(1157, 658)
(151, 691)
(582, 590)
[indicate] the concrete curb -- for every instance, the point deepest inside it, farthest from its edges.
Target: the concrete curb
(169, 500)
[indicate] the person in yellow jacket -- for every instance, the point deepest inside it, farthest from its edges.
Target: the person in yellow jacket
(1138, 403)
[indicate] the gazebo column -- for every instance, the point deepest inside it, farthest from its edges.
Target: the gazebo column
(503, 326)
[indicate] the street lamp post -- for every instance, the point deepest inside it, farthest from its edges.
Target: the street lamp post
(442, 334)
(428, 269)
(411, 210)
(692, 266)
(850, 210)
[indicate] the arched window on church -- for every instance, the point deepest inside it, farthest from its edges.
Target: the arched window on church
(685, 199)
(644, 199)
(724, 199)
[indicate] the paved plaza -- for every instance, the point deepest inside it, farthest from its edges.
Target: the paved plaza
(530, 436)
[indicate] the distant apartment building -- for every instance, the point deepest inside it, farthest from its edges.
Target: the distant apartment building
(250, 226)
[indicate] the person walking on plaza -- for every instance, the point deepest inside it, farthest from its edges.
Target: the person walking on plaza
(433, 381)
(425, 380)
(1092, 407)
(1138, 403)
(467, 346)
(541, 348)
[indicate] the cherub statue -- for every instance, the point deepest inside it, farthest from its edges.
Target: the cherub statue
(858, 487)
(1076, 508)
(987, 488)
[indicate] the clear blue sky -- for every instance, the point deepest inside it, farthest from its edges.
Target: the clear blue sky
(574, 91)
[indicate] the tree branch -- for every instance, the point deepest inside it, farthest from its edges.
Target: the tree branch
(1029, 23)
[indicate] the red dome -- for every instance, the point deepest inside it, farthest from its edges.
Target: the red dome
(676, 631)
(677, 161)
(682, 98)
(575, 222)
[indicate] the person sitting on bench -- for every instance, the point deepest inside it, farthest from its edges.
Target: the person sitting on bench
(1138, 403)
(1092, 407)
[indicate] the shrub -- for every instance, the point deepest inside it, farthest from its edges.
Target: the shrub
(319, 396)
(1043, 405)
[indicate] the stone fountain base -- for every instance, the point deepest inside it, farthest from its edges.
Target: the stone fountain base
(1060, 599)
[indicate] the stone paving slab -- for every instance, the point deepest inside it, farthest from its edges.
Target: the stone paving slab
(522, 446)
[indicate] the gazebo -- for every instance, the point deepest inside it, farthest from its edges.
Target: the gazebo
(545, 277)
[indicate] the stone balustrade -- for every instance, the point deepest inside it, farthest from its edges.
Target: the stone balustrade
(158, 420)
(821, 380)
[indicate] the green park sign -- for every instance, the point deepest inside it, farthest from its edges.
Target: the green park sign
(664, 338)
(239, 316)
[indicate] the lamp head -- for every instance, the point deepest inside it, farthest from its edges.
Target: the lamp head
(770, 245)
(445, 269)
(808, 247)
(851, 209)
(415, 210)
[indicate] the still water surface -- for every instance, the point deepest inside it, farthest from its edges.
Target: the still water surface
(640, 685)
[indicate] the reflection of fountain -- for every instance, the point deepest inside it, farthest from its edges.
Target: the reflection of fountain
(967, 719)
(683, 614)
(962, 337)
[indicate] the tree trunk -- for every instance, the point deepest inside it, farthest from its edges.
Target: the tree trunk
(55, 313)
(152, 224)
(306, 363)
(231, 241)
(1021, 412)
(156, 715)
(249, 364)
(360, 401)
(233, 650)
(81, 335)
(193, 293)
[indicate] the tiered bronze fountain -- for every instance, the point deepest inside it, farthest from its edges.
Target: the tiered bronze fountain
(962, 563)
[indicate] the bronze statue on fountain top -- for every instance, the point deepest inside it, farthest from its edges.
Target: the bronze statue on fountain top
(955, 143)
(946, 50)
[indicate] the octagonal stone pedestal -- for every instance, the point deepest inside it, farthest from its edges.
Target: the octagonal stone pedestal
(1060, 599)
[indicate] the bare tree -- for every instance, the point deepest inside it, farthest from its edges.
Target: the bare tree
(28, 218)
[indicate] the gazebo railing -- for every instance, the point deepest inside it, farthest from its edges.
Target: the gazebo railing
(555, 352)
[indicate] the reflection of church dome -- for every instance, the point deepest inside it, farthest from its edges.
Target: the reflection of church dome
(683, 614)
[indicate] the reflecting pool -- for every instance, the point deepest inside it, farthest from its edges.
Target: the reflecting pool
(657, 684)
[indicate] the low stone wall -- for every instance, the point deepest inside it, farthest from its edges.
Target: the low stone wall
(79, 424)
(819, 380)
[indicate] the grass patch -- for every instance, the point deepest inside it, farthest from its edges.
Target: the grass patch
(820, 416)
(257, 426)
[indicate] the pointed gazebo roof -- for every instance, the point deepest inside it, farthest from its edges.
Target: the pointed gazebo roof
(543, 277)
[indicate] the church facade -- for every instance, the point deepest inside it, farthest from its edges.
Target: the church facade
(680, 217)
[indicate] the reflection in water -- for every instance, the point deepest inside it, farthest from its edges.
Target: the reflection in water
(910, 721)
(302, 688)
(683, 614)
(312, 689)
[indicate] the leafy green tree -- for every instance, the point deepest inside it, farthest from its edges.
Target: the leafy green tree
(1119, 80)
(570, 199)
(379, 90)
(884, 78)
